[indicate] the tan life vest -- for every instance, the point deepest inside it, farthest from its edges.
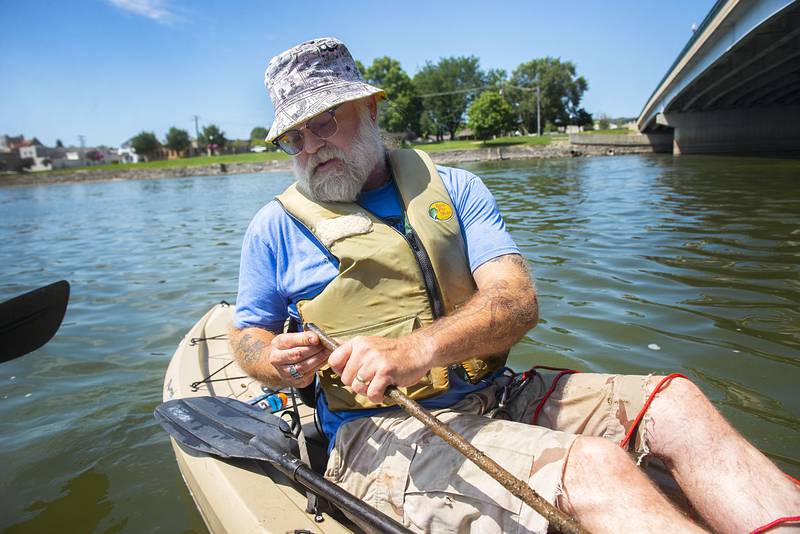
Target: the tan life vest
(381, 288)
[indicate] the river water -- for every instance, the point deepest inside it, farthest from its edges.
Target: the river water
(643, 264)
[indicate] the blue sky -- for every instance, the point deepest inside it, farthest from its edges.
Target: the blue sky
(108, 69)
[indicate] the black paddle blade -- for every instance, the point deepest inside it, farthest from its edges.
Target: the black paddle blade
(29, 321)
(224, 427)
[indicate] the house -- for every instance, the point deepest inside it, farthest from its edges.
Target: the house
(9, 143)
(127, 154)
(39, 154)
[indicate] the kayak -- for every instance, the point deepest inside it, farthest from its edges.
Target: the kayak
(235, 495)
(244, 495)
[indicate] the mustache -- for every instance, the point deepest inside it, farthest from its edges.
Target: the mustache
(323, 155)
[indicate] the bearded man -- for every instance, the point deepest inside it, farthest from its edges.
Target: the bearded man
(411, 266)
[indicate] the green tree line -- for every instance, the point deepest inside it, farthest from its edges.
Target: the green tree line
(212, 138)
(455, 91)
(442, 98)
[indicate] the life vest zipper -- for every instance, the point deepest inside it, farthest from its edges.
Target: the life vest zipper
(428, 276)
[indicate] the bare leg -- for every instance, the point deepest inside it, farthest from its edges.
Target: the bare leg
(733, 486)
(606, 492)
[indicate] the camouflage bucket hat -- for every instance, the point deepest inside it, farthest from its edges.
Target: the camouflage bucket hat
(309, 78)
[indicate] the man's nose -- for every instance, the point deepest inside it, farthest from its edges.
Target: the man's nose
(311, 143)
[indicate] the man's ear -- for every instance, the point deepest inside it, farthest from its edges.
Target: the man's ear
(372, 103)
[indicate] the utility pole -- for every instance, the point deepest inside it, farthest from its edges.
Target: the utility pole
(196, 131)
(538, 108)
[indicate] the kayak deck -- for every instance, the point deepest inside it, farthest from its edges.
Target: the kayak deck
(240, 496)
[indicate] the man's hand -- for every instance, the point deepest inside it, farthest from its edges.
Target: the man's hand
(278, 359)
(296, 357)
(370, 364)
(497, 316)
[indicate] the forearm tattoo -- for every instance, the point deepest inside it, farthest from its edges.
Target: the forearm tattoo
(249, 348)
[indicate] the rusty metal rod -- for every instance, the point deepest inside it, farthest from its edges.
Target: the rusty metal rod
(561, 521)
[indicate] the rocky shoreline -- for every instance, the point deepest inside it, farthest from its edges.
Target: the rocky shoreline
(559, 149)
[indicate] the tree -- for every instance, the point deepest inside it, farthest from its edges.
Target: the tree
(258, 135)
(491, 115)
(561, 91)
(460, 78)
(212, 138)
(360, 66)
(495, 78)
(178, 140)
(59, 144)
(583, 118)
(401, 110)
(603, 123)
(23, 164)
(145, 144)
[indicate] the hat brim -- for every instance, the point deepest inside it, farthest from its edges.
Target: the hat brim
(314, 102)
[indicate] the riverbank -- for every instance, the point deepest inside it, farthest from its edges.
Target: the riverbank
(556, 149)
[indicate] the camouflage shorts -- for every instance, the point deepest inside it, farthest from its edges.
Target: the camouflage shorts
(395, 464)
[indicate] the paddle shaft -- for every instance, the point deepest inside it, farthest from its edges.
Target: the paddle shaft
(561, 521)
(292, 467)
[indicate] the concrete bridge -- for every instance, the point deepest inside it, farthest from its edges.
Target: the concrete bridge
(735, 87)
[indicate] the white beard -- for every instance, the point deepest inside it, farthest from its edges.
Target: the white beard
(343, 182)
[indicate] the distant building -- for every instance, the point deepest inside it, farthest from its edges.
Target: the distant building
(9, 143)
(127, 154)
(40, 155)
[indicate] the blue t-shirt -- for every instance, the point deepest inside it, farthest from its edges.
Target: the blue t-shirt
(282, 263)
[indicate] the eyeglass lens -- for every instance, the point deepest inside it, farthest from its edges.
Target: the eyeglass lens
(323, 126)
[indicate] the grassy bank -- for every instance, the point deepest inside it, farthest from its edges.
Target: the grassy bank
(472, 145)
(199, 161)
(264, 157)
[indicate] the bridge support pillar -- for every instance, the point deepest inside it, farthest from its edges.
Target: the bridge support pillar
(755, 130)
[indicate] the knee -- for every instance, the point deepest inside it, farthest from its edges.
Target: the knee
(601, 456)
(678, 399)
(679, 418)
(592, 463)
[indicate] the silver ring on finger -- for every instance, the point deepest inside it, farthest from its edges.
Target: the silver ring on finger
(294, 372)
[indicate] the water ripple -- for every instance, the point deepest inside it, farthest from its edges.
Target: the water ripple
(697, 255)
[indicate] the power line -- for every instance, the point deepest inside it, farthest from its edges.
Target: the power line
(478, 88)
(504, 86)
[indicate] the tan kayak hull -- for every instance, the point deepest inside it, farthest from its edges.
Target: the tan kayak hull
(239, 496)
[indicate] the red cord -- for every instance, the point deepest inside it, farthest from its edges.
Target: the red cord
(652, 396)
(790, 477)
(770, 526)
(550, 391)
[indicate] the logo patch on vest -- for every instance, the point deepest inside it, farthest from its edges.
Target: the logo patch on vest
(440, 211)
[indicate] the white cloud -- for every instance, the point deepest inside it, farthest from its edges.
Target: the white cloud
(152, 9)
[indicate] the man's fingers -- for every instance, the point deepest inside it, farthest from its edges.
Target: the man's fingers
(295, 355)
(295, 339)
(309, 365)
(350, 372)
(377, 388)
(339, 357)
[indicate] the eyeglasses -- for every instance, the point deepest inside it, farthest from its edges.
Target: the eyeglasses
(323, 126)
